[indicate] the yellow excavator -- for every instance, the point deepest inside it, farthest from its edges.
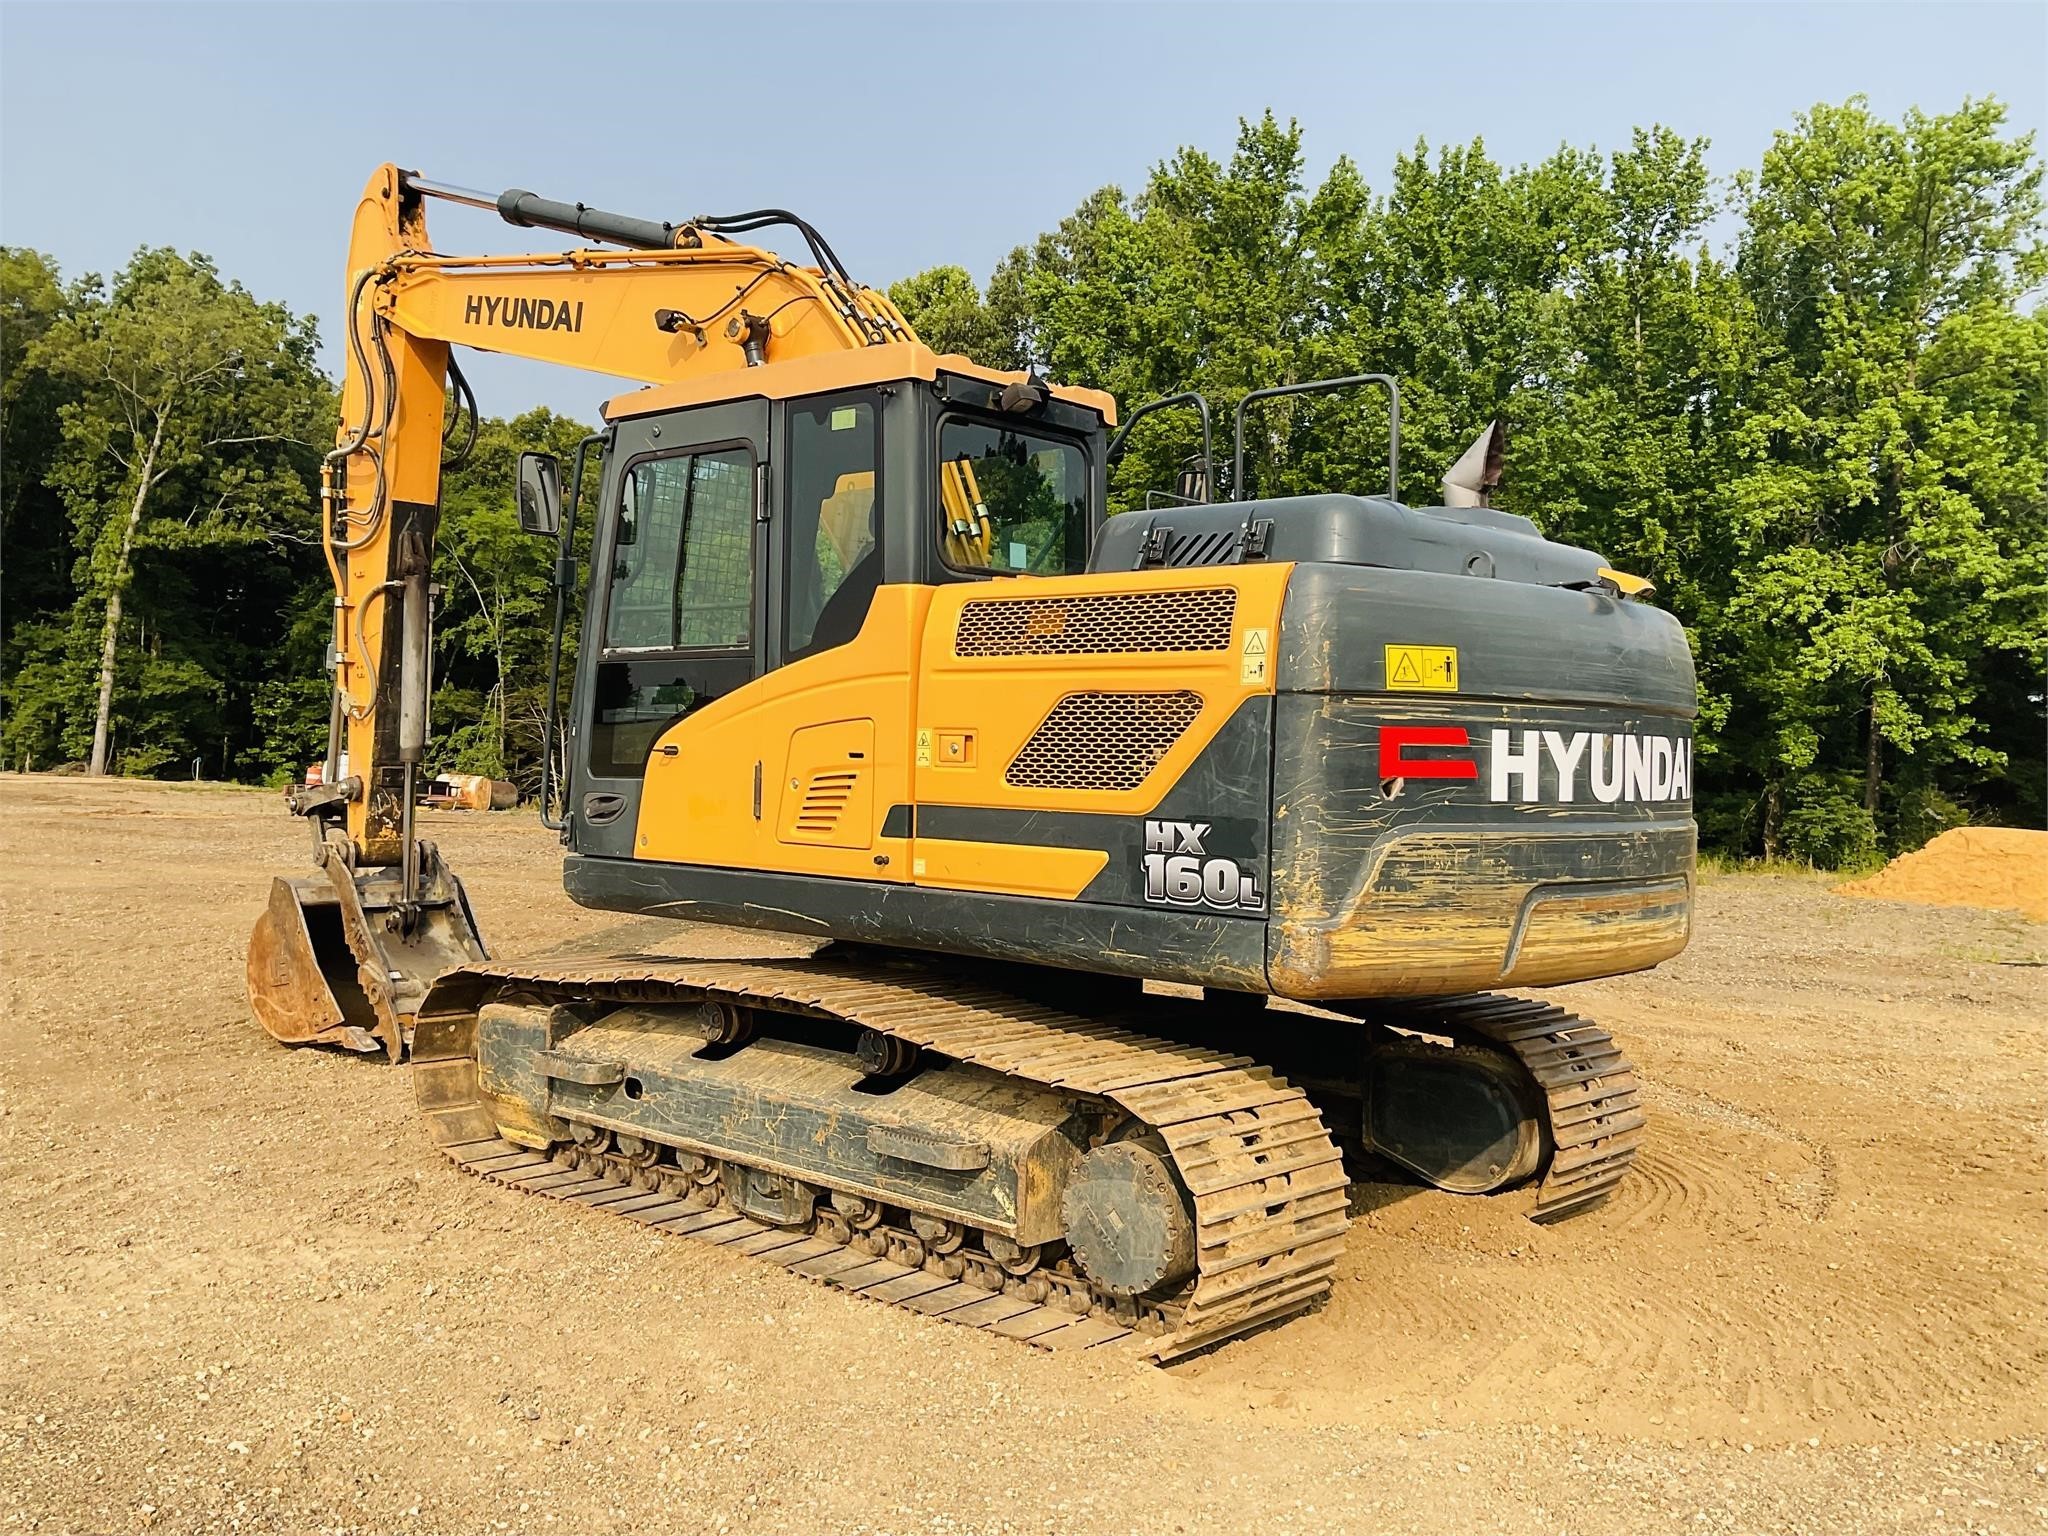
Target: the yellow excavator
(1155, 863)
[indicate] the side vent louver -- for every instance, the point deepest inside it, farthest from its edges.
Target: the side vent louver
(825, 800)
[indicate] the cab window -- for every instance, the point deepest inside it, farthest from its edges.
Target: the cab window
(834, 524)
(1011, 501)
(679, 602)
(683, 554)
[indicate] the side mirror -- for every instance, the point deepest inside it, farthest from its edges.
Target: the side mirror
(540, 494)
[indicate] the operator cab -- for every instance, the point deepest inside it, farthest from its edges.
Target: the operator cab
(734, 537)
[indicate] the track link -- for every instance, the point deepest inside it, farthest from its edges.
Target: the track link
(1594, 1108)
(1267, 1182)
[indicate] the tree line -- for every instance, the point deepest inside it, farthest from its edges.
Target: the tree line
(1809, 402)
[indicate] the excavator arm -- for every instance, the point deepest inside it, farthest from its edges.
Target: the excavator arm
(344, 957)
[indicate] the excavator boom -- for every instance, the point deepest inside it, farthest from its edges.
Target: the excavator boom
(345, 956)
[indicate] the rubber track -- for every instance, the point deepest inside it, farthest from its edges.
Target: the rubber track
(1267, 1182)
(1593, 1103)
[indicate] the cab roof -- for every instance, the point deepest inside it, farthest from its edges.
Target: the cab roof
(885, 364)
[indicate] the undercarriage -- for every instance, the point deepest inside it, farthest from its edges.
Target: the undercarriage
(1060, 1159)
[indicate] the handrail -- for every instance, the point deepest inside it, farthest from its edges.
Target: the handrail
(1187, 397)
(1322, 386)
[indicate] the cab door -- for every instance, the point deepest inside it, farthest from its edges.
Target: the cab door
(806, 770)
(678, 596)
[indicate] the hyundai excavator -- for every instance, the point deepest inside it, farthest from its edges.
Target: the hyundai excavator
(1153, 863)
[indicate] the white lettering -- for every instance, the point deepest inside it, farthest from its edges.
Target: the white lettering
(1606, 768)
(1618, 766)
(1219, 882)
(1175, 836)
(1635, 773)
(1661, 757)
(1523, 764)
(1565, 752)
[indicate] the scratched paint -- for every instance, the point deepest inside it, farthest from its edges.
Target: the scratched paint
(1407, 884)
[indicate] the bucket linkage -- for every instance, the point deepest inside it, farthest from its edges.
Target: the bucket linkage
(344, 957)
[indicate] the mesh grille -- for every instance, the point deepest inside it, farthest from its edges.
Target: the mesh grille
(1082, 626)
(1103, 740)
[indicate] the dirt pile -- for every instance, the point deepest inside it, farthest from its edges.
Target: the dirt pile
(1999, 868)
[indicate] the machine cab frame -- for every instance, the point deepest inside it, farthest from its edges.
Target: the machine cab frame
(734, 539)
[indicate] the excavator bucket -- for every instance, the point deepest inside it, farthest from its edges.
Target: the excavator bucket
(341, 958)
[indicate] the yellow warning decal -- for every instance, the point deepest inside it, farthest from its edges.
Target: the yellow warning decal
(1422, 668)
(924, 747)
(1256, 654)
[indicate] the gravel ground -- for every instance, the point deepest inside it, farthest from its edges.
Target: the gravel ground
(239, 1292)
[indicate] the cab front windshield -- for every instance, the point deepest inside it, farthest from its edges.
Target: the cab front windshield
(1013, 502)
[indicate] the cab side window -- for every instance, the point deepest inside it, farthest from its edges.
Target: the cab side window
(1011, 501)
(678, 618)
(682, 563)
(834, 521)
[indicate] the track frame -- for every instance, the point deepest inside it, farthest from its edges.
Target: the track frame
(1266, 1182)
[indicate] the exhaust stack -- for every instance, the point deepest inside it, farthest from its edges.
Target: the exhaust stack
(1472, 480)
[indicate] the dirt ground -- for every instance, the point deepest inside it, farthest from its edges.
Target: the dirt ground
(239, 1291)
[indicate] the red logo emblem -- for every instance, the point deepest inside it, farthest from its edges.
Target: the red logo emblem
(1395, 763)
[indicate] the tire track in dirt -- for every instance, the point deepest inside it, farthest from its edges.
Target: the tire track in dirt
(1715, 1293)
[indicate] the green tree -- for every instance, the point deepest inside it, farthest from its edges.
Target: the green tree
(1889, 518)
(949, 315)
(33, 526)
(191, 430)
(1218, 277)
(498, 605)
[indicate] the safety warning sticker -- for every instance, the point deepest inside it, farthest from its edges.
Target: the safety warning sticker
(1256, 655)
(1422, 668)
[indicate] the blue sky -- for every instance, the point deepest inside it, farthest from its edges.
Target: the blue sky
(911, 135)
